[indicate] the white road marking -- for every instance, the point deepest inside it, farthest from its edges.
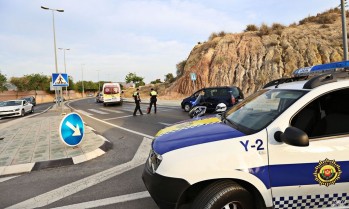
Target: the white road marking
(126, 116)
(108, 201)
(77, 186)
(109, 110)
(166, 124)
(119, 127)
(7, 178)
(83, 112)
(97, 111)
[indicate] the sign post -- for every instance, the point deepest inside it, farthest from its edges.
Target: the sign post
(193, 78)
(60, 80)
(72, 129)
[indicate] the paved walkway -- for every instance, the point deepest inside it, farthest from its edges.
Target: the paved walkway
(33, 143)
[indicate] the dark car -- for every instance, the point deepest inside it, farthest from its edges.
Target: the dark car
(29, 99)
(212, 96)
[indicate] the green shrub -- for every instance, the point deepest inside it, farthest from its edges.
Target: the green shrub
(251, 28)
(264, 30)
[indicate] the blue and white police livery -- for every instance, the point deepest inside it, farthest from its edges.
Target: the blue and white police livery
(72, 129)
(286, 146)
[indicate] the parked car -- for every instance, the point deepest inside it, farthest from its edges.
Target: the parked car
(30, 99)
(99, 97)
(285, 146)
(13, 108)
(212, 96)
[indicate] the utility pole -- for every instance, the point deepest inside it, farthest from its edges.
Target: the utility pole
(82, 80)
(344, 30)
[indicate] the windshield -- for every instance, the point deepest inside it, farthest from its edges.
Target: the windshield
(260, 109)
(10, 103)
(111, 90)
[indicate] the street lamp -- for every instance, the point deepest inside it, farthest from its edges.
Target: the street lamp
(99, 87)
(344, 30)
(82, 80)
(54, 38)
(65, 68)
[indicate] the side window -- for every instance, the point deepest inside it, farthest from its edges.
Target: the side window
(235, 92)
(328, 115)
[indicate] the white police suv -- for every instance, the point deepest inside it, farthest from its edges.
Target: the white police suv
(286, 146)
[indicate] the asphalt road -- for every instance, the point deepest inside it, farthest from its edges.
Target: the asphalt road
(85, 185)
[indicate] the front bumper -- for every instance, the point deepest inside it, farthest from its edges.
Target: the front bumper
(165, 191)
(10, 113)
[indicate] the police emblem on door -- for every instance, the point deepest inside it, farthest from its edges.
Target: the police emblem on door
(327, 172)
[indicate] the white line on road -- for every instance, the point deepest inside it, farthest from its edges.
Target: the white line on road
(166, 124)
(109, 110)
(97, 111)
(77, 186)
(126, 116)
(108, 201)
(83, 112)
(7, 178)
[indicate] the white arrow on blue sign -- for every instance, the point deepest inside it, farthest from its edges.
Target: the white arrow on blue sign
(60, 79)
(72, 129)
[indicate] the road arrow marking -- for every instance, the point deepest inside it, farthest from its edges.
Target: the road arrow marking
(75, 129)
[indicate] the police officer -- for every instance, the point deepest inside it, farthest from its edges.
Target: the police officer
(153, 94)
(137, 101)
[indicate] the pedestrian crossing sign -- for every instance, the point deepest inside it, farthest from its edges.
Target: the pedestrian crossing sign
(60, 79)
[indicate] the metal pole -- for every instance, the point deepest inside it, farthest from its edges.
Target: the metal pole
(54, 45)
(99, 87)
(344, 31)
(65, 71)
(82, 81)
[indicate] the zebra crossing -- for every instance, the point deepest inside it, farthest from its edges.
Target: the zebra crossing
(112, 111)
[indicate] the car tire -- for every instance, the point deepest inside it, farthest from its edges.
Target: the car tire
(104, 104)
(187, 107)
(22, 113)
(224, 194)
(32, 110)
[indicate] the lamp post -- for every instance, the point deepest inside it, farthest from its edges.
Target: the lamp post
(99, 87)
(65, 68)
(54, 39)
(344, 30)
(82, 80)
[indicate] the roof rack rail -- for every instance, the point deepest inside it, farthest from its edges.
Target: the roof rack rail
(324, 79)
(279, 81)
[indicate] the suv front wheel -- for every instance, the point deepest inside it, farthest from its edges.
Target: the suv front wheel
(187, 107)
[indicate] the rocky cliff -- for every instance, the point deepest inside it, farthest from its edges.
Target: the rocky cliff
(251, 59)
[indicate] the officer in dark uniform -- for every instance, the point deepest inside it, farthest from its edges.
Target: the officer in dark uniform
(153, 94)
(137, 101)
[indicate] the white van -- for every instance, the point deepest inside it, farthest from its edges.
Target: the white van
(112, 94)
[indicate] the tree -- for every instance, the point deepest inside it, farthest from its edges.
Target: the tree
(132, 77)
(156, 81)
(2, 83)
(20, 82)
(169, 78)
(180, 68)
(37, 82)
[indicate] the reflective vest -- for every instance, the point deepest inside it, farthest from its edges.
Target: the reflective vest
(153, 93)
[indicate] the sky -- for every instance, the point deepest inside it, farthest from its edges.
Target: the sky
(110, 38)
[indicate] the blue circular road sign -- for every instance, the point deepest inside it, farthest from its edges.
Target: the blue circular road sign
(71, 129)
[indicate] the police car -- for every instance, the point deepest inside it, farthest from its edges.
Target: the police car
(286, 146)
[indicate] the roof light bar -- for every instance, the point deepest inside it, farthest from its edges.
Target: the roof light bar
(317, 69)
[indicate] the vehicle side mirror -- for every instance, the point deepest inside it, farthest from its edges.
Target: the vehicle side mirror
(197, 111)
(293, 136)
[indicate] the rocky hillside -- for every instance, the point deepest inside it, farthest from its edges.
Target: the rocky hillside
(251, 59)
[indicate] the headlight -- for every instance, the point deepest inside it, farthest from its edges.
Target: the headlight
(154, 160)
(16, 109)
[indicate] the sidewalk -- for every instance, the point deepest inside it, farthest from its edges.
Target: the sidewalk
(33, 143)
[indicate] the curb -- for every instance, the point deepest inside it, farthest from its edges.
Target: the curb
(29, 167)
